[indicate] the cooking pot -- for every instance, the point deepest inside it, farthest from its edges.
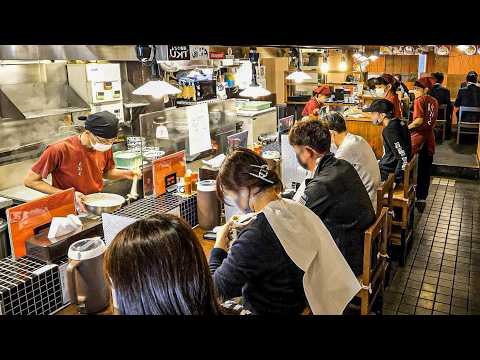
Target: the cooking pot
(99, 203)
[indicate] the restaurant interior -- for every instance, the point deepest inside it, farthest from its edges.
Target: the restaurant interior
(182, 115)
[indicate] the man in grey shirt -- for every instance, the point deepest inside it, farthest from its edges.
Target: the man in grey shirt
(356, 151)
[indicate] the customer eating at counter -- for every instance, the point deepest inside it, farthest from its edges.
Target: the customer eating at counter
(80, 161)
(319, 96)
(355, 150)
(285, 256)
(425, 111)
(156, 266)
(397, 148)
(386, 86)
(442, 94)
(336, 193)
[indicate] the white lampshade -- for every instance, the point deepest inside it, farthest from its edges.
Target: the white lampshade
(298, 76)
(255, 91)
(157, 89)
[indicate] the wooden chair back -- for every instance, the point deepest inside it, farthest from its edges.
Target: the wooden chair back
(374, 248)
(410, 177)
(386, 188)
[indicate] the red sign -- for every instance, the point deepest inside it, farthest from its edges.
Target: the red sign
(217, 55)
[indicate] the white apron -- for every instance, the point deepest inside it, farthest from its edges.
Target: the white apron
(329, 282)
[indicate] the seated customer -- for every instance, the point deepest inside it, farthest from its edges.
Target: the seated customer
(356, 151)
(284, 256)
(442, 94)
(335, 193)
(396, 139)
(156, 266)
(469, 96)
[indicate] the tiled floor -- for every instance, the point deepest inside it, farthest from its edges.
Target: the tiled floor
(442, 274)
(464, 154)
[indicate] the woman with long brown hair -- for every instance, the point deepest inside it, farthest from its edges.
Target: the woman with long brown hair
(157, 266)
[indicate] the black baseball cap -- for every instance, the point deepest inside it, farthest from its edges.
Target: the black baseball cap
(381, 106)
(103, 124)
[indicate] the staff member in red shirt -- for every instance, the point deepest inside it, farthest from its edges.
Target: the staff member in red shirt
(387, 87)
(80, 161)
(425, 111)
(320, 94)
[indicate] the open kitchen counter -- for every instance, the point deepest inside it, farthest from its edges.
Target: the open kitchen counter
(207, 246)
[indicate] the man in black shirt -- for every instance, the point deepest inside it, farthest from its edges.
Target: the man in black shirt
(336, 193)
(397, 146)
(442, 94)
(469, 96)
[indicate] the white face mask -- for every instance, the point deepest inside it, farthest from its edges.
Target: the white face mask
(380, 91)
(101, 147)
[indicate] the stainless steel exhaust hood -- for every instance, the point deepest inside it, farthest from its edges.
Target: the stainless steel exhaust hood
(35, 100)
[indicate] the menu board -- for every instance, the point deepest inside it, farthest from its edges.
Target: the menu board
(166, 170)
(198, 128)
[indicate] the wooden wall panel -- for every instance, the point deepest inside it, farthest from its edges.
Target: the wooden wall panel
(459, 63)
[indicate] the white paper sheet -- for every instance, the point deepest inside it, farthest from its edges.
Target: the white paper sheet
(198, 128)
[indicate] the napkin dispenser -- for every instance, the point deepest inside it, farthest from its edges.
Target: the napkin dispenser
(40, 246)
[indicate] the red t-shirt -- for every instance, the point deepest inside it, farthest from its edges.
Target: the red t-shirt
(397, 107)
(74, 165)
(311, 105)
(425, 107)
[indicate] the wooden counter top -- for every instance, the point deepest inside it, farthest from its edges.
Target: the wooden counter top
(207, 246)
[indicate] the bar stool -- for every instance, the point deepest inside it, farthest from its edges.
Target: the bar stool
(403, 203)
(375, 263)
(442, 122)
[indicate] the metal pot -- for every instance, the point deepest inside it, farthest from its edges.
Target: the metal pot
(95, 203)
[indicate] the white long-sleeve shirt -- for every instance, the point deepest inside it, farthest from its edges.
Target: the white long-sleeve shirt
(358, 152)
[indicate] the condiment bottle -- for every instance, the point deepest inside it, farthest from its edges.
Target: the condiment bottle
(257, 148)
(187, 179)
(194, 179)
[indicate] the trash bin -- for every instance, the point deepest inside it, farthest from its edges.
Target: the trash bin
(3, 238)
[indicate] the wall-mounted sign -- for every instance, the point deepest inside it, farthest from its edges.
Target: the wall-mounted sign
(217, 55)
(199, 52)
(178, 52)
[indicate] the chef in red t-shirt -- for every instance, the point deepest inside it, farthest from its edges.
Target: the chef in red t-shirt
(80, 161)
(425, 111)
(320, 94)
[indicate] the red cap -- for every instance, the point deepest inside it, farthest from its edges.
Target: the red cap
(425, 82)
(323, 89)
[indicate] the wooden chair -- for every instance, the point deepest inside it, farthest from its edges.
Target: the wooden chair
(442, 122)
(466, 125)
(403, 202)
(385, 198)
(374, 264)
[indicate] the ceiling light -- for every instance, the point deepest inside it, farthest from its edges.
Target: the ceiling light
(324, 67)
(254, 90)
(298, 76)
(462, 47)
(343, 64)
(373, 57)
(156, 87)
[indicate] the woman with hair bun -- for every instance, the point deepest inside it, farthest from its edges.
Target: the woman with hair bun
(284, 241)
